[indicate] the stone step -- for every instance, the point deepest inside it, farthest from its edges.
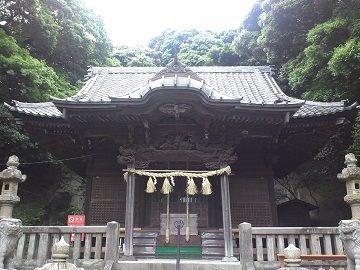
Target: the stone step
(194, 240)
(144, 244)
(188, 252)
(213, 245)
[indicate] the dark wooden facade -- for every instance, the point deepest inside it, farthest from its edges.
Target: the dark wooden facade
(251, 194)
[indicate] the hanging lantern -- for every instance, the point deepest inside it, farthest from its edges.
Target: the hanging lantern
(167, 187)
(150, 186)
(191, 188)
(206, 186)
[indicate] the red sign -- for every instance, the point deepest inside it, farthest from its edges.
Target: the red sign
(76, 220)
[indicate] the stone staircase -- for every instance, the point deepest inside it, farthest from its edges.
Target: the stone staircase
(188, 249)
(211, 242)
(213, 245)
(145, 244)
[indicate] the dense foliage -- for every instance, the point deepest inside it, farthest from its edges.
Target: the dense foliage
(314, 45)
(45, 48)
(192, 47)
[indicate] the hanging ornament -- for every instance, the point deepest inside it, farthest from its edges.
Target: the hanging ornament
(150, 186)
(167, 231)
(191, 188)
(187, 233)
(187, 227)
(126, 176)
(167, 187)
(206, 186)
(172, 181)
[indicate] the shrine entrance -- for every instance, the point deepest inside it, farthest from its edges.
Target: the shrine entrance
(187, 194)
(156, 203)
(198, 204)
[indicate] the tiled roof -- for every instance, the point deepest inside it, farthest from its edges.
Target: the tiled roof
(248, 85)
(311, 108)
(43, 109)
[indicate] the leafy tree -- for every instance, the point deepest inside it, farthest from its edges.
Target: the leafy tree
(285, 24)
(248, 49)
(26, 78)
(196, 51)
(224, 56)
(137, 56)
(330, 59)
(312, 43)
(65, 34)
(246, 42)
(196, 48)
(45, 48)
(169, 43)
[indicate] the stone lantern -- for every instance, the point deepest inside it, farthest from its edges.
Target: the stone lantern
(292, 256)
(10, 178)
(351, 176)
(60, 252)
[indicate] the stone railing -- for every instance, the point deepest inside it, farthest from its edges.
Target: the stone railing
(262, 244)
(102, 243)
(92, 243)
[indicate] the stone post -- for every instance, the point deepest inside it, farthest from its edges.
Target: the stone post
(60, 252)
(246, 246)
(10, 178)
(112, 241)
(351, 176)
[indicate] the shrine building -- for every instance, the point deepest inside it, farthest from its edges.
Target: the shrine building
(185, 120)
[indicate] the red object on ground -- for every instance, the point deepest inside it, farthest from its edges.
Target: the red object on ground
(76, 220)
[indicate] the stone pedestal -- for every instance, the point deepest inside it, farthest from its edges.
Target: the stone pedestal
(351, 176)
(193, 223)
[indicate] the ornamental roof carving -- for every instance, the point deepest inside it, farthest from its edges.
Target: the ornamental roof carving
(251, 86)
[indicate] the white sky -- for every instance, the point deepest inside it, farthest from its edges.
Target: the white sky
(135, 22)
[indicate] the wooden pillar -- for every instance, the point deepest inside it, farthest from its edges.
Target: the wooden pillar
(226, 213)
(129, 216)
